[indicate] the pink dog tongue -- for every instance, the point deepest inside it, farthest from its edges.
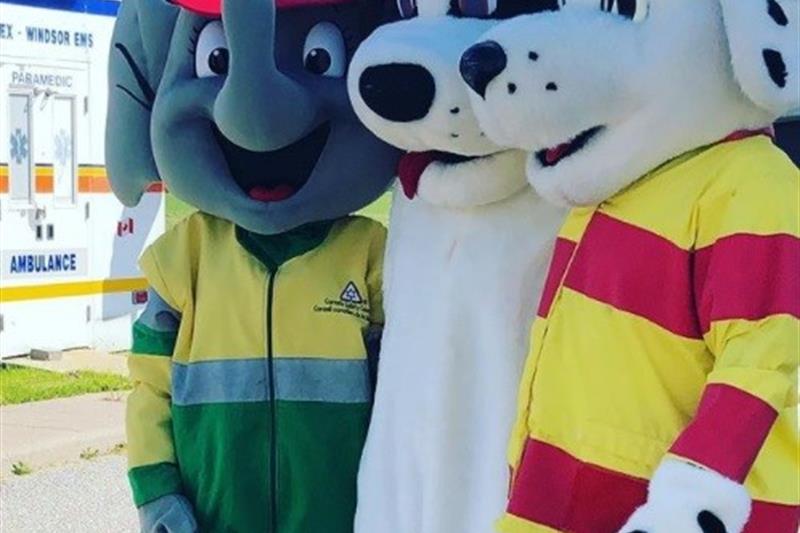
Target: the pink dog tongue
(410, 169)
(552, 155)
(271, 194)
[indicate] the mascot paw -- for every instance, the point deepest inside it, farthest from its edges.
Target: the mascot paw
(168, 514)
(688, 499)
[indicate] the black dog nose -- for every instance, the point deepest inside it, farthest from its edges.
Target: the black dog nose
(481, 63)
(400, 92)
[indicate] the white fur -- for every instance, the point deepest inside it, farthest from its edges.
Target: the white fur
(660, 87)
(464, 268)
(749, 32)
(679, 491)
(461, 288)
(475, 183)
(435, 43)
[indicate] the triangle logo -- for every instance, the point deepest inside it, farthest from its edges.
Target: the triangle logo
(351, 294)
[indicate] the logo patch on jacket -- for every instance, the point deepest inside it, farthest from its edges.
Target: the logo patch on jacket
(349, 302)
(351, 294)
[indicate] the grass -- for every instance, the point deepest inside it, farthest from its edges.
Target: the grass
(20, 384)
(177, 210)
(379, 209)
(89, 453)
(21, 469)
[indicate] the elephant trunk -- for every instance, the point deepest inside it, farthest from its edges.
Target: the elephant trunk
(259, 108)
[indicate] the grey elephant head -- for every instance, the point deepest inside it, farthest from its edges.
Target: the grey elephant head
(251, 120)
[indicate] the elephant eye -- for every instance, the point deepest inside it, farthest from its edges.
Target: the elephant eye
(324, 53)
(635, 10)
(211, 51)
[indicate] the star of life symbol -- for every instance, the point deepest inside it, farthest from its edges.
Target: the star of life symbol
(19, 146)
(63, 147)
(351, 294)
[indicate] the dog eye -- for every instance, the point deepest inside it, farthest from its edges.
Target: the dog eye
(507, 9)
(211, 51)
(635, 10)
(407, 8)
(477, 8)
(324, 53)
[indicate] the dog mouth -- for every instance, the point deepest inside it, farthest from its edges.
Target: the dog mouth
(413, 164)
(276, 175)
(550, 157)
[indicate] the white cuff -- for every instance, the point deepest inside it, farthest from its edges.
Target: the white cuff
(689, 499)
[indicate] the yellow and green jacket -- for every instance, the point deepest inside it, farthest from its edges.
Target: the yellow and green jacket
(257, 407)
(668, 325)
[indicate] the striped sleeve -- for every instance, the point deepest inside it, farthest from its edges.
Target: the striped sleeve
(153, 468)
(747, 296)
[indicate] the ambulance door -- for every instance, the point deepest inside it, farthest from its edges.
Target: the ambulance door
(60, 142)
(65, 163)
(21, 169)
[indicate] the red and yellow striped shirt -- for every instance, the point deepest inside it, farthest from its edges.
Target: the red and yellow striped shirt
(669, 325)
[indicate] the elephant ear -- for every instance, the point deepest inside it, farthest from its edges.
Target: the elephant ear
(765, 50)
(139, 47)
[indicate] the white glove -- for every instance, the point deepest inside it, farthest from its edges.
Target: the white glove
(168, 514)
(683, 498)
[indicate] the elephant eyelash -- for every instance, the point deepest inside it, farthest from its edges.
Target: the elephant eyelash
(351, 38)
(351, 41)
(193, 40)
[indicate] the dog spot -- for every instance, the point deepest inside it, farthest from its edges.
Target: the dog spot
(710, 523)
(551, 86)
(775, 66)
(512, 88)
(776, 12)
(455, 110)
(533, 56)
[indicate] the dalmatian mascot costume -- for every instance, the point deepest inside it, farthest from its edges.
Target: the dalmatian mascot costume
(660, 395)
(469, 244)
(252, 390)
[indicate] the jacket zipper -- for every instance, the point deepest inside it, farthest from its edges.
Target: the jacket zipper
(273, 458)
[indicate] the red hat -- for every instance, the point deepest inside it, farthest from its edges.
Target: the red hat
(213, 8)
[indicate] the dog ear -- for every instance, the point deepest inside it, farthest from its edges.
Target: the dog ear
(139, 47)
(765, 50)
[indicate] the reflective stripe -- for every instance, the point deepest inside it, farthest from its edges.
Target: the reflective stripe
(245, 380)
(322, 380)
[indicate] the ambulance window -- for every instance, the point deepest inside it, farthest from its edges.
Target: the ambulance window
(64, 168)
(20, 157)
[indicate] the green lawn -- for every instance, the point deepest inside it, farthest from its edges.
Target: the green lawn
(20, 384)
(379, 209)
(177, 210)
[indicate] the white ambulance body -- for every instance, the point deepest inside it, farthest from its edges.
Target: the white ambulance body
(68, 248)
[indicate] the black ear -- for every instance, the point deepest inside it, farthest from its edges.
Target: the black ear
(762, 37)
(139, 47)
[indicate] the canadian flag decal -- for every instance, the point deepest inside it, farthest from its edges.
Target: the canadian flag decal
(125, 227)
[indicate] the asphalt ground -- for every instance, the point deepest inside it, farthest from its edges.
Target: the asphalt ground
(90, 496)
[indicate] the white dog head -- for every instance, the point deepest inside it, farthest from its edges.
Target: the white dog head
(617, 87)
(404, 84)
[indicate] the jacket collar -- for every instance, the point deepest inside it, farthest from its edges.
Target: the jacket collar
(275, 250)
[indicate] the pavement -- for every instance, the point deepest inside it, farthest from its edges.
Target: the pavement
(77, 483)
(85, 497)
(81, 359)
(41, 434)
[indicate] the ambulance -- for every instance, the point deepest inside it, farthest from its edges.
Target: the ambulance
(68, 248)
